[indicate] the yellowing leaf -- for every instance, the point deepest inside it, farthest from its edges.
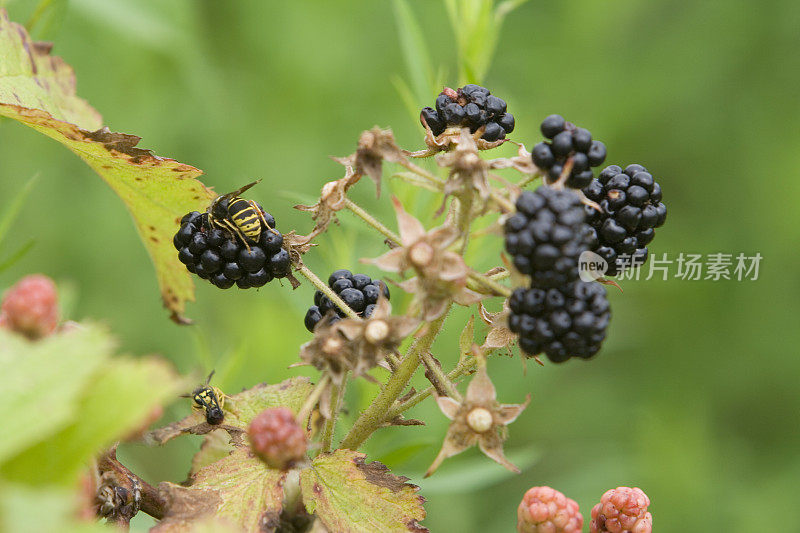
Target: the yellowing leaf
(241, 408)
(239, 489)
(38, 90)
(349, 495)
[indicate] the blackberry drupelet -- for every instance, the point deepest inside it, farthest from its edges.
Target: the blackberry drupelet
(358, 291)
(563, 322)
(470, 106)
(219, 256)
(567, 140)
(632, 209)
(547, 235)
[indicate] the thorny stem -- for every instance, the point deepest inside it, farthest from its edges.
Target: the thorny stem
(372, 221)
(399, 408)
(151, 501)
(327, 291)
(489, 282)
(337, 392)
(312, 399)
(439, 376)
(375, 413)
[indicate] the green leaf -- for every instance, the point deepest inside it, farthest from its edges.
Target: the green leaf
(467, 338)
(240, 409)
(349, 495)
(239, 488)
(415, 51)
(38, 90)
(42, 382)
(119, 398)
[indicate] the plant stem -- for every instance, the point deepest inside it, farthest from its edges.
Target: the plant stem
(419, 171)
(313, 398)
(489, 283)
(375, 414)
(327, 291)
(418, 397)
(439, 377)
(337, 392)
(372, 221)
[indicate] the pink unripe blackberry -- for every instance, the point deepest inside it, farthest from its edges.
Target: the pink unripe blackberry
(546, 510)
(622, 510)
(277, 438)
(31, 307)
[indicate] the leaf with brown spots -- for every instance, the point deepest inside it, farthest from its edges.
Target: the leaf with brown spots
(351, 496)
(240, 490)
(38, 90)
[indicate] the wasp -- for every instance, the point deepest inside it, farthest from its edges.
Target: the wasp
(242, 217)
(209, 399)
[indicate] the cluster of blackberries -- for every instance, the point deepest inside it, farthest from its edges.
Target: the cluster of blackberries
(631, 210)
(558, 314)
(562, 322)
(546, 236)
(219, 256)
(568, 140)
(473, 106)
(358, 291)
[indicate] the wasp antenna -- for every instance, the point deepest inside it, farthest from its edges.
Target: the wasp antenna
(187, 395)
(239, 191)
(208, 379)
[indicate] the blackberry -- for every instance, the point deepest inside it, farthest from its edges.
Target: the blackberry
(563, 322)
(473, 106)
(568, 140)
(277, 437)
(217, 255)
(632, 209)
(547, 235)
(358, 291)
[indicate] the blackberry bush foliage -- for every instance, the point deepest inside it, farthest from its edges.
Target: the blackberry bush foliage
(272, 461)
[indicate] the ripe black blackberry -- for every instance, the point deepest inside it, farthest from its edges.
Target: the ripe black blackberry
(473, 106)
(563, 322)
(547, 235)
(217, 255)
(567, 140)
(632, 209)
(358, 291)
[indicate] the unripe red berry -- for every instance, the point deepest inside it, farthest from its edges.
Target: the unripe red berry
(277, 438)
(622, 510)
(31, 307)
(546, 510)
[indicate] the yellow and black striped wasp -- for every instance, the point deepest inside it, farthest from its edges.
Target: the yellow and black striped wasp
(240, 216)
(209, 399)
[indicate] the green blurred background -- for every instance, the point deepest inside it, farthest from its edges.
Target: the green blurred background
(694, 396)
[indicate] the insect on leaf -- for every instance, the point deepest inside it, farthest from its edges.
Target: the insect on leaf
(38, 90)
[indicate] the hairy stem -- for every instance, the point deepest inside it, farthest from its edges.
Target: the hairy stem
(372, 221)
(418, 397)
(327, 291)
(439, 377)
(337, 392)
(313, 398)
(376, 413)
(488, 282)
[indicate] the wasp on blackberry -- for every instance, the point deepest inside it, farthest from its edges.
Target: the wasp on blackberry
(240, 216)
(210, 400)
